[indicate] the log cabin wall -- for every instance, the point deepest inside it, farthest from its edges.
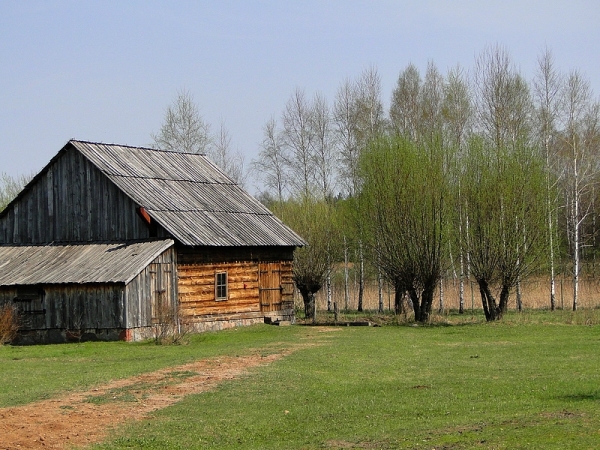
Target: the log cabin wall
(250, 296)
(72, 201)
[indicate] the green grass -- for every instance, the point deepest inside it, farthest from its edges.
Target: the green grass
(31, 373)
(531, 382)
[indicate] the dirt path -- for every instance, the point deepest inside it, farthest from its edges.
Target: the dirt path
(83, 418)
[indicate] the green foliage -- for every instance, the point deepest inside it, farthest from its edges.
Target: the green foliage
(314, 221)
(503, 210)
(10, 187)
(359, 389)
(404, 205)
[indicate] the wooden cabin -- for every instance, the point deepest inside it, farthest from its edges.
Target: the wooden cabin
(109, 240)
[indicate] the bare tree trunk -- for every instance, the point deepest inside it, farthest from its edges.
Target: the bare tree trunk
(461, 286)
(576, 225)
(441, 309)
(361, 279)
(328, 288)
(380, 288)
(346, 276)
(492, 310)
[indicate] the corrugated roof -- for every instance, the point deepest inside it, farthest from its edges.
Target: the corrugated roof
(189, 196)
(77, 263)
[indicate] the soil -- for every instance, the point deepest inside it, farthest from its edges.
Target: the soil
(82, 418)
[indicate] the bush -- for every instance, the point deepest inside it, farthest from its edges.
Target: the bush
(9, 324)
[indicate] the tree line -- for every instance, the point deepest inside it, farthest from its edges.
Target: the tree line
(476, 171)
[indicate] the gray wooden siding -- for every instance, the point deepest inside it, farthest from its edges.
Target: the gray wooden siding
(156, 285)
(72, 202)
(74, 307)
(101, 306)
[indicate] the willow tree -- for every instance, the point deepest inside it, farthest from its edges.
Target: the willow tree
(404, 202)
(313, 220)
(504, 197)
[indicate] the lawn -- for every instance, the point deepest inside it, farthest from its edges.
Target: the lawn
(529, 382)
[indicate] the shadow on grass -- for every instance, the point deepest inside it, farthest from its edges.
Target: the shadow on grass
(581, 397)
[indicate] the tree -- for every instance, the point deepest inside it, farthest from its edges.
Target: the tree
(504, 199)
(221, 154)
(404, 197)
(547, 89)
(431, 103)
(270, 164)
(405, 109)
(324, 149)
(502, 98)
(312, 219)
(457, 108)
(457, 112)
(10, 187)
(298, 139)
(579, 142)
(184, 129)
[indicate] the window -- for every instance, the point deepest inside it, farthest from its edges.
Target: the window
(221, 286)
(30, 300)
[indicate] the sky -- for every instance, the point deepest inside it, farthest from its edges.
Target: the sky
(105, 71)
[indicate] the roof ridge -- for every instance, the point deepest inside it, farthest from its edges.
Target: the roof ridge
(109, 144)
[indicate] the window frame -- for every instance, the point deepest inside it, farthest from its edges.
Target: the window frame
(221, 284)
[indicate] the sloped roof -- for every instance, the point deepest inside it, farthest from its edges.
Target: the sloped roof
(77, 263)
(189, 196)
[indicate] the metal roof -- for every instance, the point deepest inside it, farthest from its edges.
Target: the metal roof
(77, 263)
(189, 196)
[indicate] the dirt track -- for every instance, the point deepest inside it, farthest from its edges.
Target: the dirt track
(83, 418)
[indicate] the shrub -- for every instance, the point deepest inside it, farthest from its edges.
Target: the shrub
(9, 323)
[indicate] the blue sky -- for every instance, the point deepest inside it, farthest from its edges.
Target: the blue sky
(106, 70)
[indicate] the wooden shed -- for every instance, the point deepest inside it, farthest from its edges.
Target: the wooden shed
(107, 237)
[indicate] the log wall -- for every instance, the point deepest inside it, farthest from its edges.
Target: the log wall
(197, 290)
(250, 296)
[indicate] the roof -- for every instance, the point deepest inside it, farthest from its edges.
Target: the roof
(189, 196)
(77, 263)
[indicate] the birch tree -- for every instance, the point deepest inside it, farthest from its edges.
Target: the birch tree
(457, 112)
(579, 142)
(547, 90)
(270, 165)
(298, 138)
(324, 148)
(503, 102)
(183, 129)
(220, 152)
(404, 108)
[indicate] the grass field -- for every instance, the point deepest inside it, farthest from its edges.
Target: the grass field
(531, 382)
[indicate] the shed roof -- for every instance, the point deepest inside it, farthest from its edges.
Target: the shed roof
(189, 196)
(77, 263)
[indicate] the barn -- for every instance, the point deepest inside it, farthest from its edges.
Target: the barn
(111, 241)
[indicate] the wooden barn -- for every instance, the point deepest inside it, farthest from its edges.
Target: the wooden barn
(110, 241)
